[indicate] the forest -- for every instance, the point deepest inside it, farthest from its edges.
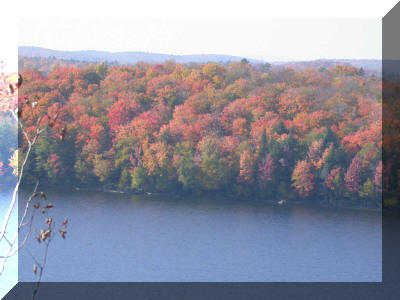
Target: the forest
(238, 129)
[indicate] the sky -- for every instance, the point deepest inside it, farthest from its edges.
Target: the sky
(267, 39)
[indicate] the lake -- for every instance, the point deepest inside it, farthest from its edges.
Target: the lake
(122, 237)
(9, 277)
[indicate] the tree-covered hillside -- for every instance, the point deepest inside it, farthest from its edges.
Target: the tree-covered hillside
(233, 129)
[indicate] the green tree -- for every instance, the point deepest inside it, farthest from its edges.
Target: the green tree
(367, 189)
(187, 170)
(139, 178)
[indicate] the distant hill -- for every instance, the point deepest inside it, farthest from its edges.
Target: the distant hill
(372, 65)
(125, 57)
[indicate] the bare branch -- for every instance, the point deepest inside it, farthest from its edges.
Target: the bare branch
(46, 235)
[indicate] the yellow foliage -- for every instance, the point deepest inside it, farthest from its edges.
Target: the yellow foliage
(13, 162)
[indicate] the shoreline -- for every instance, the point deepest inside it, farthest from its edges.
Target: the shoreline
(287, 202)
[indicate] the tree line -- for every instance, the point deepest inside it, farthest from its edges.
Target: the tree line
(237, 129)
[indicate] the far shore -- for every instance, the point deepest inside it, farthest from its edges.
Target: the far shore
(179, 195)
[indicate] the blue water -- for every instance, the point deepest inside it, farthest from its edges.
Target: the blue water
(9, 277)
(118, 237)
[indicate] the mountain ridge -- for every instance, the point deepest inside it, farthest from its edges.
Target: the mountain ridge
(132, 57)
(126, 56)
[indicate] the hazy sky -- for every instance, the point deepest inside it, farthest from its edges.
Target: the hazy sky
(269, 39)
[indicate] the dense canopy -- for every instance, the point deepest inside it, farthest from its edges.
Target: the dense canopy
(236, 129)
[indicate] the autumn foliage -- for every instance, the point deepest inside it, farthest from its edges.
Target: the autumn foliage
(236, 129)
